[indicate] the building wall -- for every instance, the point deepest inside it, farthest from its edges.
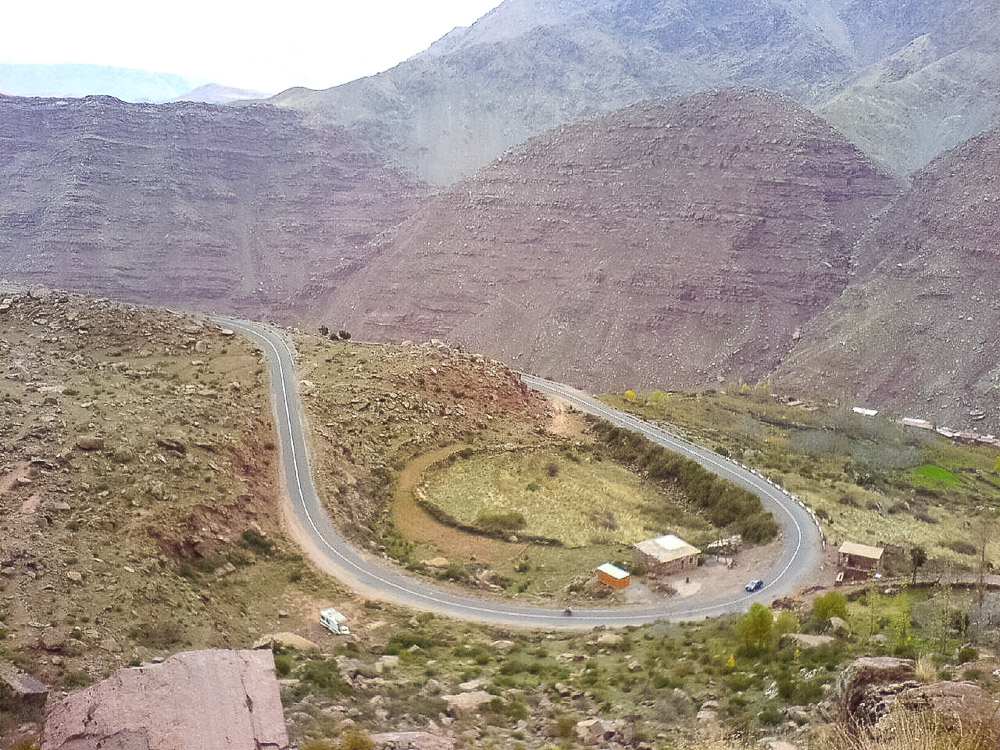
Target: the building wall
(654, 566)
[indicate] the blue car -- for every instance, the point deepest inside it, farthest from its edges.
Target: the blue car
(754, 584)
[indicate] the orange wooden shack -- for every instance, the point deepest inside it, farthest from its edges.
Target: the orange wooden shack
(612, 575)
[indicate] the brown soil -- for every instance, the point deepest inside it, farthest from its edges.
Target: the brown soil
(419, 526)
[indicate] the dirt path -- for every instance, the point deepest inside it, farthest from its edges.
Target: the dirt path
(420, 527)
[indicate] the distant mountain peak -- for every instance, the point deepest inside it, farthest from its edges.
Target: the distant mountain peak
(214, 93)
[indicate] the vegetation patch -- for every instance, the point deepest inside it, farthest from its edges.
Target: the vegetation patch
(726, 505)
(544, 493)
(868, 479)
(930, 475)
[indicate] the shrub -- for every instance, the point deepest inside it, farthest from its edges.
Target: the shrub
(960, 546)
(325, 676)
(256, 542)
(282, 665)
(967, 653)
(831, 604)
(356, 738)
(501, 522)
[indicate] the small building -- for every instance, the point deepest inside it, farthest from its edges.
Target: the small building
(922, 424)
(666, 555)
(613, 576)
(864, 411)
(859, 561)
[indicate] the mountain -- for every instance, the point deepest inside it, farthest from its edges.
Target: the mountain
(918, 330)
(243, 209)
(928, 96)
(85, 80)
(213, 93)
(670, 243)
(531, 65)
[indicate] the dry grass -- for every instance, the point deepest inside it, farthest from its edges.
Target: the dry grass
(575, 502)
(911, 729)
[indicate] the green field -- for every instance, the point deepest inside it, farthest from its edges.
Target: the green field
(574, 500)
(931, 476)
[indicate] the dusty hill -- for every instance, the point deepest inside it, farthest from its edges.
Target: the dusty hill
(919, 330)
(233, 209)
(533, 64)
(928, 96)
(670, 242)
(133, 457)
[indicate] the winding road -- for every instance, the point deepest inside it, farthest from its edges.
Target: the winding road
(374, 577)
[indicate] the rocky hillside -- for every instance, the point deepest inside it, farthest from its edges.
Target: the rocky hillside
(668, 243)
(531, 65)
(187, 204)
(919, 330)
(926, 97)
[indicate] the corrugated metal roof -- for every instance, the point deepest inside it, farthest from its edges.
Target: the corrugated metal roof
(861, 550)
(613, 570)
(667, 548)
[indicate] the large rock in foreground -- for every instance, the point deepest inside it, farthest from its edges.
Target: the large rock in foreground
(222, 700)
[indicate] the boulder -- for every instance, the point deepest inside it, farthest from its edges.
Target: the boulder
(868, 683)
(290, 640)
(224, 700)
(412, 741)
(466, 702)
(803, 640)
(90, 443)
(963, 705)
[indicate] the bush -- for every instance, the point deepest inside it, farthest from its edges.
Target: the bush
(961, 546)
(724, 504)
(282, 665)
(831, 604)
(967, 653)
(495, 523)
(325, 676)
(356, 739)
(256, 542)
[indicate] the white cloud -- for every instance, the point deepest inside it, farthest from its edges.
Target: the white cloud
(269, 47)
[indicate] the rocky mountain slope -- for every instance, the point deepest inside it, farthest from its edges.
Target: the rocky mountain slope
(668, 243)
(531, 65)
(919, 330)
(240, 209)
(928, 96)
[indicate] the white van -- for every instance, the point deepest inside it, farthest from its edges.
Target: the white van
(334, 621)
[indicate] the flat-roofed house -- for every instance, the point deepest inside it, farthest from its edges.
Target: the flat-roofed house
(859, 561)
(666, 555)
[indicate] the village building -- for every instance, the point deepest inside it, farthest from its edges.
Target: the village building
(666, 555)
(858, 562)
(613, 576)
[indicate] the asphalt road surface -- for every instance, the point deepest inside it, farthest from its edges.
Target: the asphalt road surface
(374, 577)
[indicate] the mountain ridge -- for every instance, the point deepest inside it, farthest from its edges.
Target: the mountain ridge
(561, 257)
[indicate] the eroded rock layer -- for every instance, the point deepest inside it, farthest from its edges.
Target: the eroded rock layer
(668, 243)
(246, 210)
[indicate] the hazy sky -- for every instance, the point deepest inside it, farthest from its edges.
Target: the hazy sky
(268, 46)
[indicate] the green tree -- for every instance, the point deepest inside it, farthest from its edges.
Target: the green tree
(754, 629)
(831, 604)
(787, 622)
(918, 557)
(324, 331)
